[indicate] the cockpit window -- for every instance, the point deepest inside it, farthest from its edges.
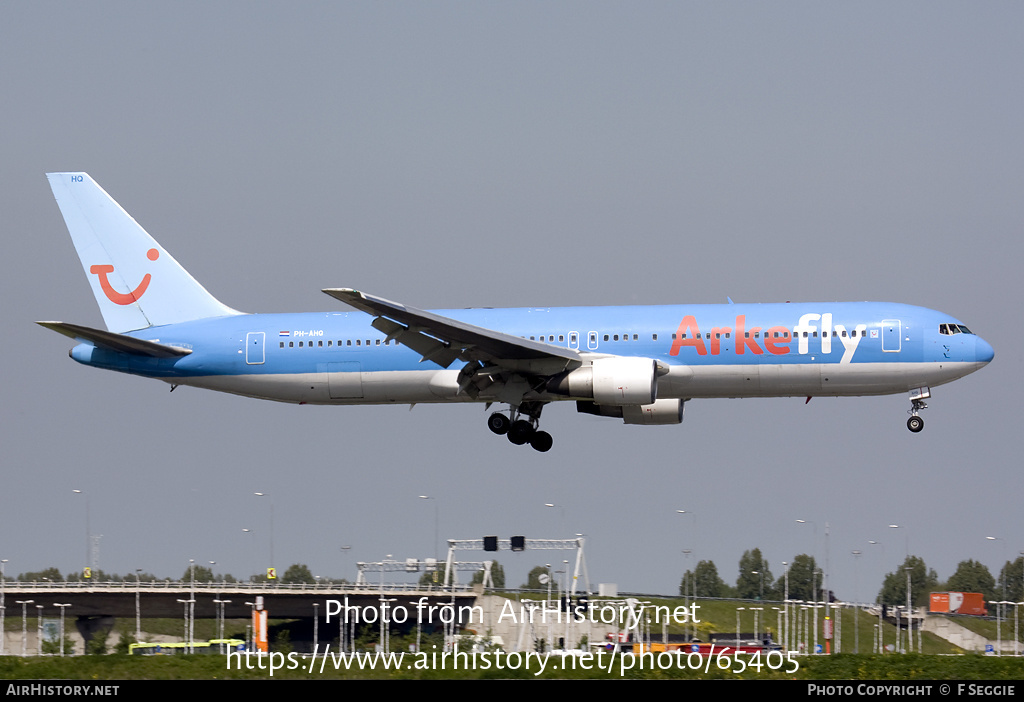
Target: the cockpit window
(950, 329)
(964, 329)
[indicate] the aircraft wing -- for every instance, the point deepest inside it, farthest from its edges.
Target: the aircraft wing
(443, 340)
(116, 342)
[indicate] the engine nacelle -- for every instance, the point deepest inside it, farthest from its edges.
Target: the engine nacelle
(659, 412)
(618, 381)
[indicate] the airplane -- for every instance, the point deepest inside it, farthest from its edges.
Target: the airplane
(639, 364)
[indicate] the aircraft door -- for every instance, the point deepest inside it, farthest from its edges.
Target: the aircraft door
(892, 335)
(254, 348)
(592, 341)
(574, 340)
(345, 380)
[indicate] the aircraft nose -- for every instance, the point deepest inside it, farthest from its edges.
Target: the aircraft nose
(983, 351)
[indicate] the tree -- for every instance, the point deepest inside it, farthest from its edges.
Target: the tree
(533, 578)
(52, 646)
(97, 645)
(755, 579)
(1011, 580)
(972, 576)
(296, 574)
(202, 574)
(51, 574)
(804, 580)
(707, 582)
(123, 645)
(922, 582)
(497, 576)
(432, 578)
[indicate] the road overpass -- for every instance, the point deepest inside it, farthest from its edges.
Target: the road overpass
(163, 599)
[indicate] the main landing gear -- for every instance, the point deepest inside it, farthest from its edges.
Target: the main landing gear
(521, 428)
(917, 403)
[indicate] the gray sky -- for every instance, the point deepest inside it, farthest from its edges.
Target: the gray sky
(516, 154)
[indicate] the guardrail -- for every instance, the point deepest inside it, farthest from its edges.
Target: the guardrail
(255, 587)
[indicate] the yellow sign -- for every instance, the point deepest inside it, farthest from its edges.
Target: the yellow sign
(271, 573)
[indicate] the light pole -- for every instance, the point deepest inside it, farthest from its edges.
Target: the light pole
(999, 605)
(383, 564)
(760, 592)
(436, 513)
(252, 551)
(738, 610)
(138, 608)
(785, 604)
(265, 494)
(316, 625)
(185, 618)
(693, 586)
(62, 608)
(88, 529)
(856, 607)
(3, 607)
(814, 594)
(565, 591)
(251, 627)
(561, 509)
(757, 621)
(910, 610)
(906, 538)
(24, 624)
(220, 622)
(39, 630)
(192, 604)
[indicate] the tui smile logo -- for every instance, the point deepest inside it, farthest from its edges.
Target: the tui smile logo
(123, 298)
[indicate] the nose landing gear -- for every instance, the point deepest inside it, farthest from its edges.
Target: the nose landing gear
(917, 403)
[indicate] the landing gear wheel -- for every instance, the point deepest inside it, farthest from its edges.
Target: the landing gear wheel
(541, 441)
(499, 423)
(915, 424)
(520, 432)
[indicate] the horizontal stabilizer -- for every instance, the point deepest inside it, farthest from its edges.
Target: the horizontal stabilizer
(116, 342)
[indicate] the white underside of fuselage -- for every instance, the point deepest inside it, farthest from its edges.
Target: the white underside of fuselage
(684, 382)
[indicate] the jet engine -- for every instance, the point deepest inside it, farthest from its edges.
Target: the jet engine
(617, 381)
(664, 411)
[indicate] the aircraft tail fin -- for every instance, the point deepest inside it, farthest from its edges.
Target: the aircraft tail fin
(137, 284)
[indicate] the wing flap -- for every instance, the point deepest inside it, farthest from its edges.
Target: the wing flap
(443, 339)
(116, 342)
